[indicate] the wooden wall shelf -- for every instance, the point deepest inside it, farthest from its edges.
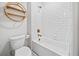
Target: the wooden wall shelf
(15, 11)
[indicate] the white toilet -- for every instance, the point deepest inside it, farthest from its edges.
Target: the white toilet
(17, 46)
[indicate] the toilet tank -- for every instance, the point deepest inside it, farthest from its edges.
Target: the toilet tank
(17, 41)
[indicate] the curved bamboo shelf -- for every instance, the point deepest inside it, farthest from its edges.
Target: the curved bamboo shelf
(15, 11)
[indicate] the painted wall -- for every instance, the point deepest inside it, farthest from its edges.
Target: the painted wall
(9, 28)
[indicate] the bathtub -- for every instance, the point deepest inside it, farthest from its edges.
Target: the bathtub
(46, 47)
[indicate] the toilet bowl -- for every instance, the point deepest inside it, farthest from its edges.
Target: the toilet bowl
(17, 45)
(24, 51)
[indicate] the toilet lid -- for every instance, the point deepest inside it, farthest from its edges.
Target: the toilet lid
(24, 51)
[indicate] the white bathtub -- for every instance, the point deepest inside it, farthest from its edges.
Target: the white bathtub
(49, 47)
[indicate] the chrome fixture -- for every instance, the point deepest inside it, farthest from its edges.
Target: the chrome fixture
(39, 34)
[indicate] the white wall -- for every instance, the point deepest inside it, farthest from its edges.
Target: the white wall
(57, 22)
(9, 28)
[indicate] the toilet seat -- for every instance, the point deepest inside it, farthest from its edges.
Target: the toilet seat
(24, 51)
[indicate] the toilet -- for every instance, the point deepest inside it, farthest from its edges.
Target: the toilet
(24, 51)
(17, 46)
